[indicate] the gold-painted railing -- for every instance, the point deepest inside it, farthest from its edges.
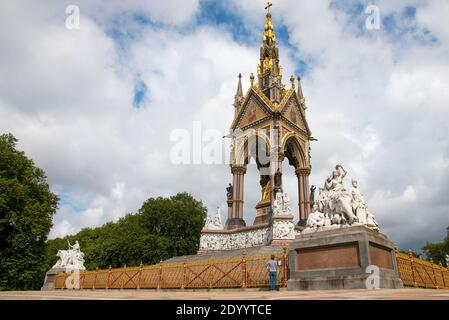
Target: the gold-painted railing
(415, 272)
(240, 272)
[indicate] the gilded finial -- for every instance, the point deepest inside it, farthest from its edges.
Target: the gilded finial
(292, 80)
(269, 4)
(269, 34)
(251, 79)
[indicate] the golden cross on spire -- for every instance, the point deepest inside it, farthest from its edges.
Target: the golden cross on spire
(269, 4)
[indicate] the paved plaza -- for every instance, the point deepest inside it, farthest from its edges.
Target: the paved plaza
(381, 294)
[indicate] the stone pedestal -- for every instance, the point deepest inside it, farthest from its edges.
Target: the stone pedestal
(338, 259)
(235, 223)
(263, 211)
(283, 230)
(50, 277)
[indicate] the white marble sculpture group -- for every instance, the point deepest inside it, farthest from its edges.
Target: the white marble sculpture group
(238, 240)
(337, 206)
(214, 237)
(71, 259)
(281, 206)
(215, 222)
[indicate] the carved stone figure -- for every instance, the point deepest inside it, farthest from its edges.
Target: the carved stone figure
(316, 218)
(229, 191)
(214, 223)
(322, 201)
(226, 241)
(278, 180)
(312, 195)
(72, 258)
(207, 222)
(447, 260)
(358, 202)
(283, 229)
(281, 205)
(360, 207)
(335, 205)
(217, 219)
(340, 201)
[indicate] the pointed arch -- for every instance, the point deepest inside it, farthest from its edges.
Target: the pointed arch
(252, 144)
(293, 150)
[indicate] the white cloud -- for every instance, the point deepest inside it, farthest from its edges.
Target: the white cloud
(377, 104)
(62, 229)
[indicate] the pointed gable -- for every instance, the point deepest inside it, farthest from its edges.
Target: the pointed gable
(293, 111)
(255, 107)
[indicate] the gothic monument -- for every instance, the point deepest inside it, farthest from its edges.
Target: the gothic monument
(337, 239)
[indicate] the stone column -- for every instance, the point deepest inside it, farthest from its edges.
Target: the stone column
(235, 214)
(303, 194)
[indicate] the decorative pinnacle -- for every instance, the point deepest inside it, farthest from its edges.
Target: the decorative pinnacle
(292, 80)
(269, 4)
(269, 34)
(300, 94)
(239, 87)
(251, 79)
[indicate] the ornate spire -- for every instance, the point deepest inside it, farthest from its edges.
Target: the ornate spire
(239, 86)
(269, 71)
(269, 35)
(238, 98)
(300, 94)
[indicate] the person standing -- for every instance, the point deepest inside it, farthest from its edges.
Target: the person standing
(272, 265)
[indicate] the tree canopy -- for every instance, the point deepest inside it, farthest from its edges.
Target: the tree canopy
(161, 229)
(437, 251)
(26, 210)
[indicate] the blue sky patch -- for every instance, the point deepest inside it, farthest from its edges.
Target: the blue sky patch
(140, 93)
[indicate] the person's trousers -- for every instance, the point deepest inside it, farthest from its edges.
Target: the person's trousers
(272, 280)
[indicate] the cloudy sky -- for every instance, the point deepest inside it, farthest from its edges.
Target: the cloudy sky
(96, 107)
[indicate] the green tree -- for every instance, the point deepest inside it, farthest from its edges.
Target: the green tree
(437, 251)
(26, 210)
(179, 218)
(162, 228)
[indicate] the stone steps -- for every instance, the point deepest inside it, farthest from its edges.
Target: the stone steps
(255, 251)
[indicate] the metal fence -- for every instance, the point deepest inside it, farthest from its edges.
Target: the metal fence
(240, 272)
(415, 272)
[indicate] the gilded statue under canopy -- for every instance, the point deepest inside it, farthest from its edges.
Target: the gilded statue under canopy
(266, 192)
(267, 64)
